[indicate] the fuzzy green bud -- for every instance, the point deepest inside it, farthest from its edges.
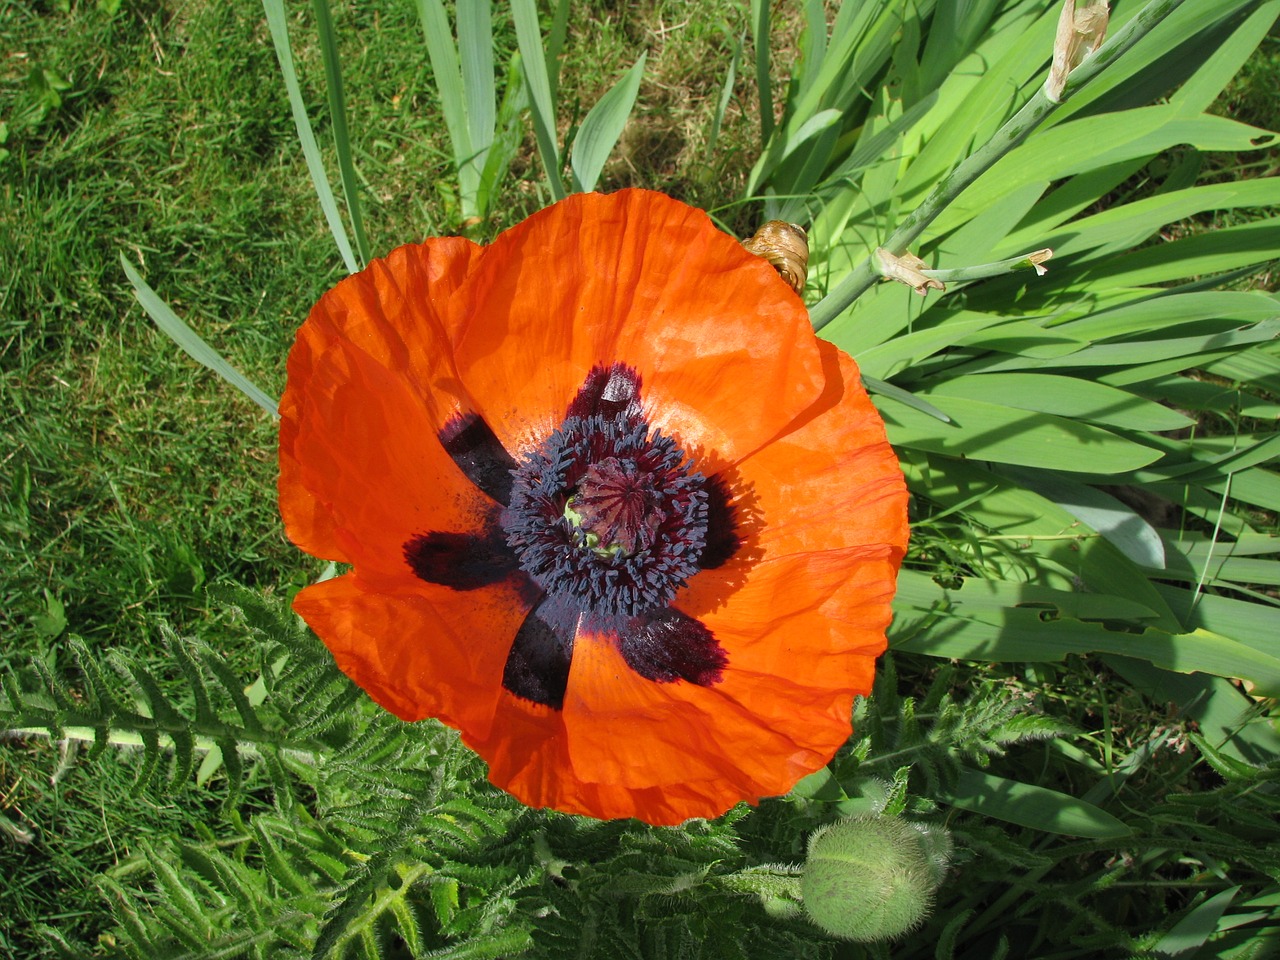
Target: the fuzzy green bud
(872, 878)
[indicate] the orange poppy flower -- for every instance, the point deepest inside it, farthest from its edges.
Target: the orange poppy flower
(612, 510)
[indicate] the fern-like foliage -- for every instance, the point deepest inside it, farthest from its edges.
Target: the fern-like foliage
(932, 737)
(385, 840)
(296, 711)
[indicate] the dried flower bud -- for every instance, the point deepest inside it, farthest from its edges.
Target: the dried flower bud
(1081, 28)
(786, 247)
(907, 269)
(1037, 258)
(872, 878)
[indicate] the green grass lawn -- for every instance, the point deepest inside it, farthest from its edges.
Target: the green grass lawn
(131, 479)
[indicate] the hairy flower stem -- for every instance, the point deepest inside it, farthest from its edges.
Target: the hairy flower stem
(1013, 133)
(131, 738)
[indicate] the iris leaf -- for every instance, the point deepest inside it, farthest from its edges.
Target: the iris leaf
(1052, 546)
(541, 98)
(315, 164)
(1031, 806)
(909, 349)
(475, 51)
(964, 630)
(1128, 225)
(338, 117)
(1193, 930)
(1066, 397)
(988, 431)
(1127, 135)
(1120, 524)
(1221, 562)
(902, 396)
(1163, 313)
(446, 69)
(602, 127)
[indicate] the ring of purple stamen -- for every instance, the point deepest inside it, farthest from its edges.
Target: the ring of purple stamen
(608, 516)
(598, 527)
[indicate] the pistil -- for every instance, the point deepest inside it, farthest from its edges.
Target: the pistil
(617, 508)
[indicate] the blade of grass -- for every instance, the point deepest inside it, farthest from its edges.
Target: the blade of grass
(764, 87)
(341, 135)
(284, 53)
(190, 341)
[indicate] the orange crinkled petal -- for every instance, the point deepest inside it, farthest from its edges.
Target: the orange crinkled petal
(414, 650)
(725, 352)
(728, 367)
(390, 312)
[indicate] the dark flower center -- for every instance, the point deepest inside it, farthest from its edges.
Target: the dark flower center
(598, 527)
(607, 515)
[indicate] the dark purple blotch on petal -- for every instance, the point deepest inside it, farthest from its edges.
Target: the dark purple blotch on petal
(537, 667)
(722, 525)
(668, 645)
(461, 561)
(610, 392)
(476, 450)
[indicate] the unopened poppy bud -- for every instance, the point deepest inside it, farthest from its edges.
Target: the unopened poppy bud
(872, 878)
(1081, 29)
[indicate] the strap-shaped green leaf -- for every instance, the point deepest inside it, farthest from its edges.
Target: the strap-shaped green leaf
(338, 117)
(1030, 634)
(464, 80)
(1044, 532)
(315, 164)
(602, 127)
(1064, 396)
(541, 98)
(989, 431)
(1121, 525)
(1193, 931)
(903, 396)
(475, 50)
(1031, 806)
